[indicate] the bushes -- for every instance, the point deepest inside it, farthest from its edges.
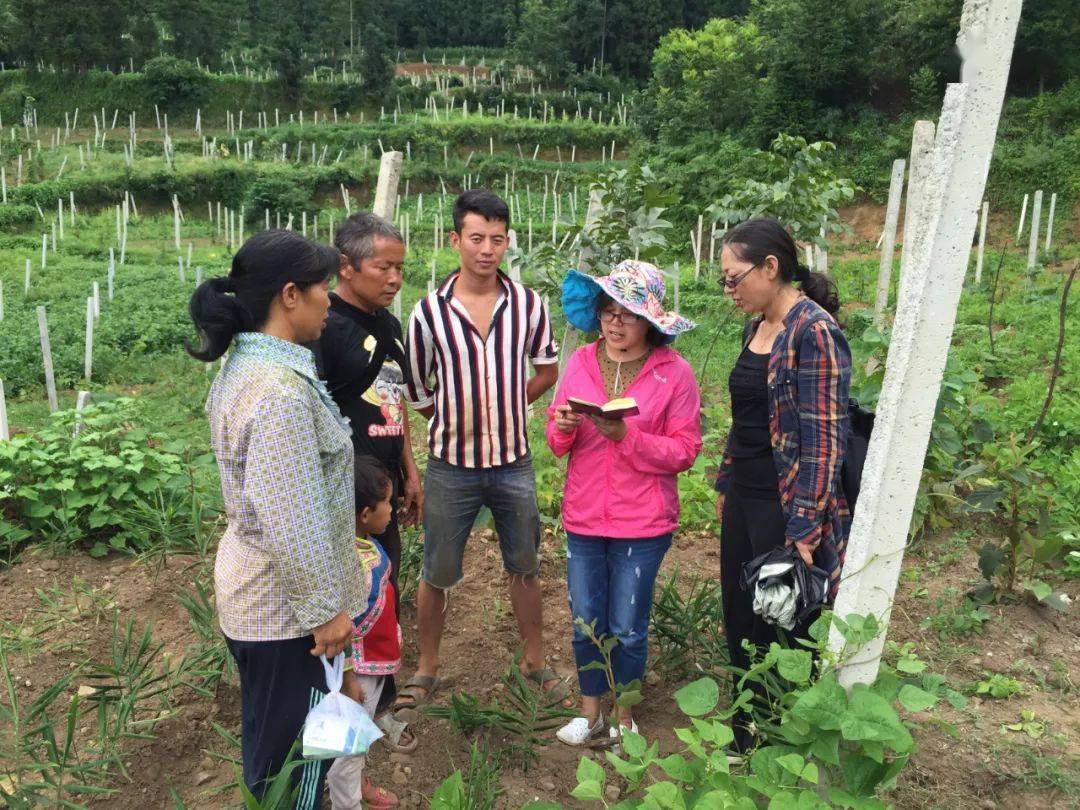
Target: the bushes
(175, 83)
(278, 193)
(79, 488)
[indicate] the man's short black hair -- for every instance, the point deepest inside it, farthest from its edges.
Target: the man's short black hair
(480, 201)
(371, 482)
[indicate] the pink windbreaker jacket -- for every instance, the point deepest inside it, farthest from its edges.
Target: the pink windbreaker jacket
(627, 489)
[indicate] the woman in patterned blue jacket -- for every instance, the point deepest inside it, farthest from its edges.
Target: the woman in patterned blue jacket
(779, 482)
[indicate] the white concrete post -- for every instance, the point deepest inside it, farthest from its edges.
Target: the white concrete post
(923, 328)
(46, 358)
(1033, 241)
(387, 185)
(922, 147)
(697, 247)
(176, 221)
(385, 200)
(5, 433)
(982, 243)
(1023, 215)
(512, 266)
(82, 402)
(88, 356)
(888, 241)
(1050, 222)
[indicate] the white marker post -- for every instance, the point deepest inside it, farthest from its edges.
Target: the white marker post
(5, 433)
(923, 329)
(1023, 214)
(386, 199)
(46, 359)
(1050, 222)
(1033, 240)
(982, 243)
(697, 247)
(513, 268)
(888, 241)
(88, 356)
(919, 164)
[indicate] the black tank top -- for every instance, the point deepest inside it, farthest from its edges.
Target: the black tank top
(749, 443)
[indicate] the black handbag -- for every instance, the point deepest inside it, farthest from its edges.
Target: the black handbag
(860, 426)
(790, 571)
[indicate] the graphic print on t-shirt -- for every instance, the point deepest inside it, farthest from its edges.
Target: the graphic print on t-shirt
(385, 394)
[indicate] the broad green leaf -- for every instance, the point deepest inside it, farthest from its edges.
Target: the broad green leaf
(698, 698)
(588, 791)
(915, 699)
(588, 770)
(823, 704)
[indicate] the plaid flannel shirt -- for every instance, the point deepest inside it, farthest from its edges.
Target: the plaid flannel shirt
(287, 562)
(809, 383)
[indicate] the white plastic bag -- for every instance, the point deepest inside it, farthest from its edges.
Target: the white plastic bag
(338, 726)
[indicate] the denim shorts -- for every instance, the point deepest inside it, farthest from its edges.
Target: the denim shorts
(453, 497)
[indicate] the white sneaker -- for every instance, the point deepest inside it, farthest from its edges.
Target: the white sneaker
(578, 731)
(613, 733)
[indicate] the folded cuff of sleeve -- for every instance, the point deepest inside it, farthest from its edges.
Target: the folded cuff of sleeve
(315, 610)
(422, 403)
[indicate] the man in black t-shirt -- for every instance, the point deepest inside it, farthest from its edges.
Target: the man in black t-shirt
(361, 356)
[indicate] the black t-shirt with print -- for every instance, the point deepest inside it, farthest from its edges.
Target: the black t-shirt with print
(371, 399)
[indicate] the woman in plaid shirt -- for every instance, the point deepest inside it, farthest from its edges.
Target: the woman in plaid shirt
(779, 481)
(287, 577)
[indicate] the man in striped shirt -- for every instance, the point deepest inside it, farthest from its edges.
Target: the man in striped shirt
(469, 348)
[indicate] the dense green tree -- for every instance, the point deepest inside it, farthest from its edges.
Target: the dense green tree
(195, 28)
(1047, 49)
(711, 79)
(540, 39)
(376, 63)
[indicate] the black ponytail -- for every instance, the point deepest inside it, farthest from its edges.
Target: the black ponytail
(240, 302)
(756, 239)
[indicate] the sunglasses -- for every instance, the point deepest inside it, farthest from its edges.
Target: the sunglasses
(732, 283)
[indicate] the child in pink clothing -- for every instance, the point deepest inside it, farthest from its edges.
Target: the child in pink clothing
(621, 503)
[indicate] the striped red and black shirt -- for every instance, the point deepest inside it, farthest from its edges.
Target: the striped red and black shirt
(476, 386)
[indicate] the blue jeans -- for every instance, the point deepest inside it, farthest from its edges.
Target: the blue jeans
(453, 497)
(611, 582)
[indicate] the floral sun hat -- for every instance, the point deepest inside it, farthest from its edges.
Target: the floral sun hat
(636, 286)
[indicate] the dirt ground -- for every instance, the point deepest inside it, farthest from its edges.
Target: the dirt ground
(980, 765)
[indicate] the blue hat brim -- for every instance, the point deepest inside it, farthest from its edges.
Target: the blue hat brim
(579, 293)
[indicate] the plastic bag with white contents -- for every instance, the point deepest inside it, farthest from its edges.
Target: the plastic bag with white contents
(338, 726)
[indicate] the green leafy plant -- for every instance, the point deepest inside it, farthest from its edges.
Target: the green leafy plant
(80, 488)
(687, 627)
(997, 686)
(822, 743)
(800, 190)
(478, 788)
(525, 714)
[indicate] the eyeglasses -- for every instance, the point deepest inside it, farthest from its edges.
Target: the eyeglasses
(625, 318)
(732, 283)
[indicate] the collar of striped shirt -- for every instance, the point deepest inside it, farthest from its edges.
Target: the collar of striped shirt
(477, 386)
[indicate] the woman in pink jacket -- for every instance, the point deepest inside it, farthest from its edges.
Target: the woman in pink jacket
(621, 502)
